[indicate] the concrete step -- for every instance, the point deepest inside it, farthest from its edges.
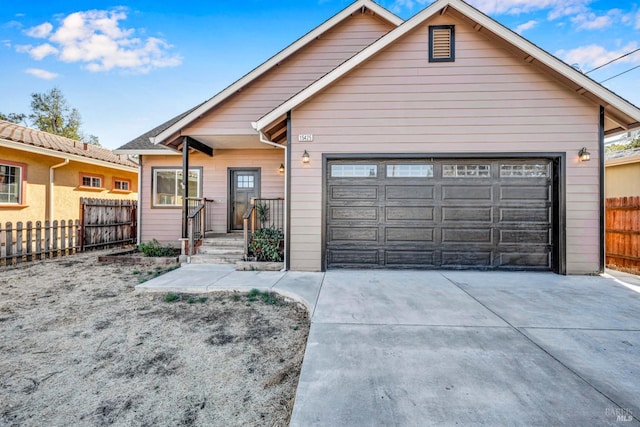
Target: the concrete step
(221, 250)
(215, 259)
(232, 241)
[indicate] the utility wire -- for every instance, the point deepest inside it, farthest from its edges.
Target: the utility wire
(618, 75)
(613, 60)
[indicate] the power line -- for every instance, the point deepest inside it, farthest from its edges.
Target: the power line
(618, 75)
(613, 60)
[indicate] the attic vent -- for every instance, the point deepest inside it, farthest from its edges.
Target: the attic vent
(442, 43)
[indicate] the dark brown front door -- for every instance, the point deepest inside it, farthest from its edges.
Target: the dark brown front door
(244, 184)
(440, 213)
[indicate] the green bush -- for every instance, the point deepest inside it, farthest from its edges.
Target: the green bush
(154, 249)
(265, 245)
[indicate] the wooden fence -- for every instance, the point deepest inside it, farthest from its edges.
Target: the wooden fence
(102, 224)
(107, 223)
(623, 233)
(32, 242)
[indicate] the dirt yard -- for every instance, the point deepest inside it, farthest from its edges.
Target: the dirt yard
(78, 346)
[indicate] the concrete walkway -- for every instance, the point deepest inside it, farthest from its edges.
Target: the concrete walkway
(409, 348)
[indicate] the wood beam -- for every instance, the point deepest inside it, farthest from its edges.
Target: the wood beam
(197, 145)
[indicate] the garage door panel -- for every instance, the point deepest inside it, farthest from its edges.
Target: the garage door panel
(417, 213)
(467, 235)
(409, 258)
(408, 234)
(409, 192)
(518, 259)
(524, 193)
(467, 192)
(354, 213)
(359, 192)
(353, 257)
(353, 234)
(460, 259)
(525, 215)
(525, 237)
(474, 214)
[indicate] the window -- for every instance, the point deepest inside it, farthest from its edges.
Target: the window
(11, 177)
(246, 181)
(442, 43)
(354, 171)
(524, 171)
(409, 171)
(91, 181)
(466, 171)
(167, 186)
(121, 185)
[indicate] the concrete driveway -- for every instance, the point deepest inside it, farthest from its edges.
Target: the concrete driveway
(409, 348)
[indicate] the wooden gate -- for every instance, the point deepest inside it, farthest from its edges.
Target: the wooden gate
(623, 233)
(107, 223)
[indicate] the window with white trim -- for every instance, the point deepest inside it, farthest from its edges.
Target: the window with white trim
(121, 185)
(91, 181)
(10, 184)
(167, 186)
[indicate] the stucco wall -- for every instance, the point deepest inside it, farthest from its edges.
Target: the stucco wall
(67, 189)
(487, 101)
(622, 180)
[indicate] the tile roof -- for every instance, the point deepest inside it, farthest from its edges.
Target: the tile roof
(21, 134)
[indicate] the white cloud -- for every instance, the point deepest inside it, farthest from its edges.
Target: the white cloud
(638, 21)
(588, 57)
(41, 74)
(591, 21)
(42, 51)
(96, 39)
(526, 26)
(41, 31)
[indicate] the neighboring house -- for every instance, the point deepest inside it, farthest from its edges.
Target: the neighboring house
(446, 141)
(43, 176)
(622, 173)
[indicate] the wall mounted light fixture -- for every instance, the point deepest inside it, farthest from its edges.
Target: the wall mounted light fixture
(305, 157)
(281, 168)
(584, 155)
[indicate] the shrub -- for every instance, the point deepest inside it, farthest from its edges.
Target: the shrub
(154, 249)
(265, 245)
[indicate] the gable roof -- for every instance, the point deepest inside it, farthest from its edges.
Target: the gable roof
(206, 106)
(17, 136)
(621, 113)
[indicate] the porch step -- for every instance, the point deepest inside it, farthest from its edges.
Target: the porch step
(220, 249)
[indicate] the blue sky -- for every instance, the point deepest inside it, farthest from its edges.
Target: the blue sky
(127, 66)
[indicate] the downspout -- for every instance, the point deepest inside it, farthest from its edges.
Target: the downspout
(265, 140)
(51, 186)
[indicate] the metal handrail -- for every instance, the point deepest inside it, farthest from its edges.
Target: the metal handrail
(246, 218)
(198, 222)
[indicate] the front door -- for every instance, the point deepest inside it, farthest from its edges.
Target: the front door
(244, 184)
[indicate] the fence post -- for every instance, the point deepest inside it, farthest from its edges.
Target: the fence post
(9, 243)
(38, 240)
(19, 250)
(29, 241)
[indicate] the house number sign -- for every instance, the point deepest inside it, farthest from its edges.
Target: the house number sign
(305, 137)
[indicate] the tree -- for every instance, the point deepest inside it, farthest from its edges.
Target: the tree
(14, 118)
(51, 113)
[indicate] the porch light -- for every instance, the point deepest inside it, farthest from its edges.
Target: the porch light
(305, 157)
(281, 169)
(584, 155)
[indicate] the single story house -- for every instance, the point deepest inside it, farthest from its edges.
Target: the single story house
(43, 176)
(443, 141)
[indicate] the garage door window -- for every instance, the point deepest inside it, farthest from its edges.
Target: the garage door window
(466, 171)
(524, 171)
(409, 171)
(354, 171)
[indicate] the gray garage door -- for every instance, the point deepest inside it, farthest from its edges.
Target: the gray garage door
(484, 214)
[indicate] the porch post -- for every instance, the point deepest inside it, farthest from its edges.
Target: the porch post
(185, 187)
